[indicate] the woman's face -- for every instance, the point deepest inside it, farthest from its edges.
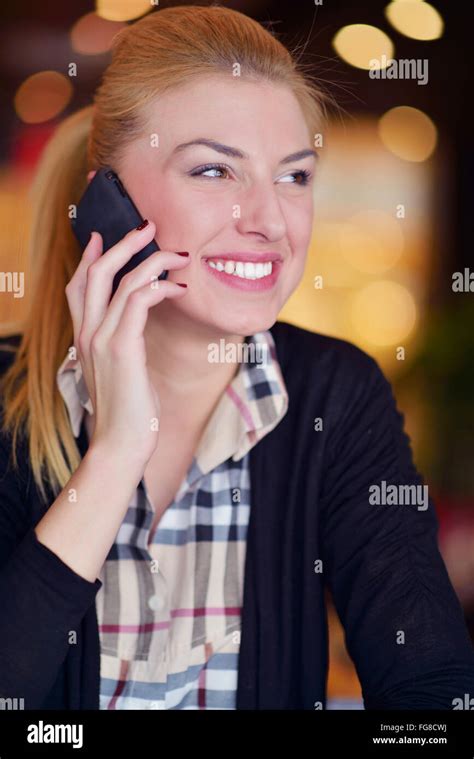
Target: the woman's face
(245, 208)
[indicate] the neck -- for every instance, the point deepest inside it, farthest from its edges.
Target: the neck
(188, 385)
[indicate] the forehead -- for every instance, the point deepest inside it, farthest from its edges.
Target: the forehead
(229, 109)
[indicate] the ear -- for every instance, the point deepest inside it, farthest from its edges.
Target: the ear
(91, 175)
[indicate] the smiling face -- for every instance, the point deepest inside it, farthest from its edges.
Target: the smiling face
(242, 206)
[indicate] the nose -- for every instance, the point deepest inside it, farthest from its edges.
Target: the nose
(260, 212)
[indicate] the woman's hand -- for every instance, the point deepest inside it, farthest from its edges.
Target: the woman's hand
(108, 335)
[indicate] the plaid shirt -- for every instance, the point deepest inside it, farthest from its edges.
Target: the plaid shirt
(170, 604)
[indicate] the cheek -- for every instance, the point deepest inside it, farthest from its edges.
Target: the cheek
(183, 212)
(300, 228)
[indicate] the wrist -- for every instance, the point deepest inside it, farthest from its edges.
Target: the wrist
(115, 460)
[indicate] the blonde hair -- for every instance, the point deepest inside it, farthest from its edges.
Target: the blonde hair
(162, 50)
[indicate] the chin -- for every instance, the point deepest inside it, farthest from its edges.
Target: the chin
(246, 324)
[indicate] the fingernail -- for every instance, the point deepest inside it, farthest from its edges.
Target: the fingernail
(182, 253)
(181, 284)
(143, 224)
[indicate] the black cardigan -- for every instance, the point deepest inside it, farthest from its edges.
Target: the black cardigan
(309, 503)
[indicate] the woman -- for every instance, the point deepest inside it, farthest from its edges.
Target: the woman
(176, 554)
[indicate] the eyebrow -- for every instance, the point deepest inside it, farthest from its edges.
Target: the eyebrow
(237, 153)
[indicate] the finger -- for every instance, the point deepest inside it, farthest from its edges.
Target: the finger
(120, 253)
(152, 266)
(146, 272)
(135, 314)
(101, 273)
(75, 289)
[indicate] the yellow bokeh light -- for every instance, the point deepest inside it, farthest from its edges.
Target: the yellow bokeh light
(92, 34)
(326, 259)
(371, 241)
(42, 96)
(408, 133)
(123, 10)
(415, 19)
(362, 44)
(383, 313)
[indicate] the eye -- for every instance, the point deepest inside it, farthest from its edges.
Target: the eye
(202, 170)
(303, 175)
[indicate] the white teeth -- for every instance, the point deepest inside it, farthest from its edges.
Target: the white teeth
(245, 270)
(249, 271)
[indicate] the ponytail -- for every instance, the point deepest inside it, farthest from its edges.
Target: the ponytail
(31, 410)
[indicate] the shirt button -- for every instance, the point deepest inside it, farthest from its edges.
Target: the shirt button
(156, 603)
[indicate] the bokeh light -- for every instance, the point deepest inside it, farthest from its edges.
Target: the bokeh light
(92, 34)
(383, 313)
(123, 10)
(359, 44)
(415, 19)
(42, 96)
(408, 133)
(371, 241)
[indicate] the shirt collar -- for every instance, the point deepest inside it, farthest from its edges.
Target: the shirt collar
(252, 405)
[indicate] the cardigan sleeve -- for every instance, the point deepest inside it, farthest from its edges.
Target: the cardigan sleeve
(404, 626)
(42, 600)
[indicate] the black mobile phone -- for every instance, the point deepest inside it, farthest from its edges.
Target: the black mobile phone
(106, 207)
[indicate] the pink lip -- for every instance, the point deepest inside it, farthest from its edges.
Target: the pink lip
(249, 285)
(244, 256)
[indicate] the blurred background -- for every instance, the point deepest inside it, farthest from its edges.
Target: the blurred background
(390, 260)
